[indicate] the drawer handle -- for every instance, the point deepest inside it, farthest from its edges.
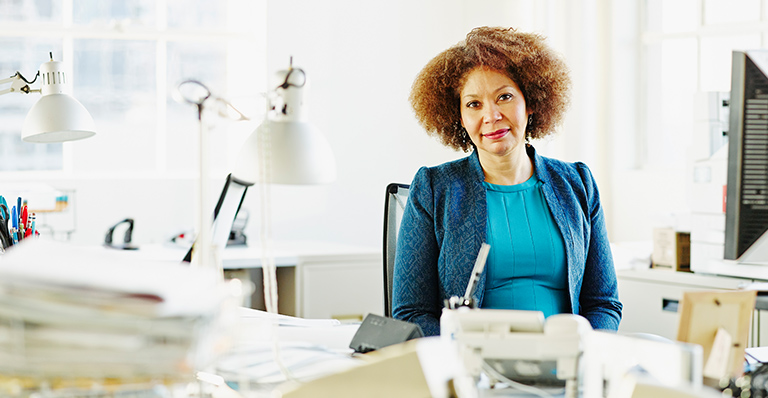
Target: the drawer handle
(669, 305)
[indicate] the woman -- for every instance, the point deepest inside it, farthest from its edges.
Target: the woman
(489, 95)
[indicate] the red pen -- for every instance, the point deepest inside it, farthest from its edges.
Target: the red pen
(23, 225)
(24, 216)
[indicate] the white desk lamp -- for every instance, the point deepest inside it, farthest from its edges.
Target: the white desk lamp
(289, 151)
(284, 149)
(57, 116)
(196, 93)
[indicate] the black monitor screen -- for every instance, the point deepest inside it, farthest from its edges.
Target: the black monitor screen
(227, 207)
(747, 197)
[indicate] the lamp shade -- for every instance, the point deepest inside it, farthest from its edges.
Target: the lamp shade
(290, 150)
(295, 152)
(57, 118)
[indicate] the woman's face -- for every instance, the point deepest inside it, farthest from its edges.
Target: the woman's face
(493, 111)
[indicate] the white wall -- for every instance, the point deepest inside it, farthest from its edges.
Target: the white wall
(361, 58)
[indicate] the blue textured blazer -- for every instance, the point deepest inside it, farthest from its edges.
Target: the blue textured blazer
(444, 224)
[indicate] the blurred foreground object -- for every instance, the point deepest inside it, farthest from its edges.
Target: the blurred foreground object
(90, 318)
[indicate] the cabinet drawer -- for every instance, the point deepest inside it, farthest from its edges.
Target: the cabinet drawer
(651, 307)
(341, 289)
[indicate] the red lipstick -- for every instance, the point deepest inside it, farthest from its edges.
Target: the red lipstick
(496, 134)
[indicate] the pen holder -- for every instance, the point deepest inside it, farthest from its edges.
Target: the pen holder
(455, 302)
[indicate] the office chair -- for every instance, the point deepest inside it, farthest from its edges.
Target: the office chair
(394, 205)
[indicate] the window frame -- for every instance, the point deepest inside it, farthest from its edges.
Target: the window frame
(252, 32)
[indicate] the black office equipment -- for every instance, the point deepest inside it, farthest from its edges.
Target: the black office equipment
(377, 331)
(747, 197)
(227, 208)
(127, 237)
(237, 235)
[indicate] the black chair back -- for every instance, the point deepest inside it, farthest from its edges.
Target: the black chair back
(394, 205)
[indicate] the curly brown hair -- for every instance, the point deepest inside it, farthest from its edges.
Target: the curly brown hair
(540, 73)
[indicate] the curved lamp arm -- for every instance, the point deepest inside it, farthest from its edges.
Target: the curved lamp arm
(196, 93)
(18, 84)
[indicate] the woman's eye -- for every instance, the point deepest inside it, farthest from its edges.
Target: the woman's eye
(505, 97)
(473, 104)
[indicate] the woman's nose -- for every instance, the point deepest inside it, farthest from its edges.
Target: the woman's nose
(492, 114)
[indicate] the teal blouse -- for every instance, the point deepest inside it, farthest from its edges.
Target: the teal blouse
(446, 220)
(526, 267)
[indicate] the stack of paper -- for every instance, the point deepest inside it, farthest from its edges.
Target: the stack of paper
(72, 313)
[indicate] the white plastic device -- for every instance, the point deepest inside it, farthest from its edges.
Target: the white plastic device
(519, 344)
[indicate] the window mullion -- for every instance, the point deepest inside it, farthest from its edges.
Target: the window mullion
(161, 73)
(67, 9)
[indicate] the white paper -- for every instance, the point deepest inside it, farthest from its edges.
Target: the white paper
(285, 320)
(183, 290)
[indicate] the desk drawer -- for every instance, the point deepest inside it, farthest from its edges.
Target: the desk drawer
(651, 307)
(344, 289)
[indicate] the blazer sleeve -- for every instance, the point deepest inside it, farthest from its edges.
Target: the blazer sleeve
(415, 294)
(599, 299)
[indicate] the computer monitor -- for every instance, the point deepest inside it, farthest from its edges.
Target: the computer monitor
(227, 207)
(747, 192)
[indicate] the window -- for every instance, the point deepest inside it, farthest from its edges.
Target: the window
(687, 49)
(127, 57)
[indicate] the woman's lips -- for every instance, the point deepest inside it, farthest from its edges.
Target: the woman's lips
(496, 134)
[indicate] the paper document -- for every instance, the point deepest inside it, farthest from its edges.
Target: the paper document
(177, 289)
(757, 354)
(285, 320)
(72, 312)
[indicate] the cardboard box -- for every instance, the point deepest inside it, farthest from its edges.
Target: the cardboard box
(671, 250)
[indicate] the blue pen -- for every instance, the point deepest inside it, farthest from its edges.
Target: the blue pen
(18, 212)
(14, 217)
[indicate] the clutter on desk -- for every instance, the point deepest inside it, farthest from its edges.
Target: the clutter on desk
(426, 367)
(754, 383)
(377, 332)
(17, 222)
(127, 243)
(184, 239)
(39, 208)
(632, 255)
(88, 317)
(271, 349)
(237, 235)
(671, 249)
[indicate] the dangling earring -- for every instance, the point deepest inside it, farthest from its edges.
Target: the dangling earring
(528, 129)
(463, 132)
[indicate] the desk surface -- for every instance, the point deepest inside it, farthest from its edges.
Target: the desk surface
(318, 350)
(286, 253)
